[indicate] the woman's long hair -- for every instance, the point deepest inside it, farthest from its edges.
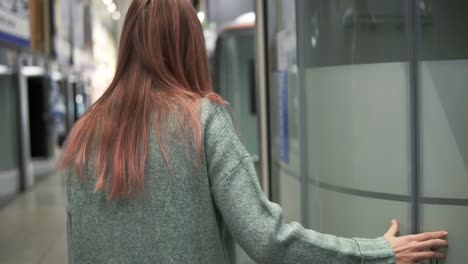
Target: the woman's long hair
(162, 67)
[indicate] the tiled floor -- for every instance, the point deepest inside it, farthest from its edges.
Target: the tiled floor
(33, 226)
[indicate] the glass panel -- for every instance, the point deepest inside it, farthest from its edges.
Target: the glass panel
(354, 66)
(453, 219)
(8, 126)
(9, 183)
(343, 212)
(444, 127)
(237, 83)
(283, 107)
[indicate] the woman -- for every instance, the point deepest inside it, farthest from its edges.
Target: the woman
(158, 175)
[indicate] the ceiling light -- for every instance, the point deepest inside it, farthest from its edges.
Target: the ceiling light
(56, 75)
(116, 15)
(111, 7)
(106, 2)
(201, 16)
(32, 71)
(246, 18)
(4, 70)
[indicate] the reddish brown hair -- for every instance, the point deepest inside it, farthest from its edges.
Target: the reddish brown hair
(162, 67)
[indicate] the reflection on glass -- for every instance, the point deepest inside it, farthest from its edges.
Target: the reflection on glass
(355, 81)
(235, 81)
(444, 126)
(237, 84)
(283, 108)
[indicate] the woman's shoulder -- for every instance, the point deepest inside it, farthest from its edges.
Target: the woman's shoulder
(213, 110)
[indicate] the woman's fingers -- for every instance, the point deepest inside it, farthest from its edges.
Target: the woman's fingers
(416, 248)
(428, 236)
(428, 255)
(431, 244)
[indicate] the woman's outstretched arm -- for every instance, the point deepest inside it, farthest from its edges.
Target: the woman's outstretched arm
(256, 223)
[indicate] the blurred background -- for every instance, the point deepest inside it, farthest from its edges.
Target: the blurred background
(354, 111)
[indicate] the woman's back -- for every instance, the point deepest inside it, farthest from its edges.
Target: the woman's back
(173, 221)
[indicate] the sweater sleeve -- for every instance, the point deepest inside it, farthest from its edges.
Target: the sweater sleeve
(256, 223)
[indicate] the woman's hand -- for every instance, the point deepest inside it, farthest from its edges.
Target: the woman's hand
(415, 248)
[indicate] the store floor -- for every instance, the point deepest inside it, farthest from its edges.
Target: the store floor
(33, 226)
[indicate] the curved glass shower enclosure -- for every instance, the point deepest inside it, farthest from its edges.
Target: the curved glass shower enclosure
(376, 99)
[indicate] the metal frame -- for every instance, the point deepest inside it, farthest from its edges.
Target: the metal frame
(24, 153)
(70, 103)
(302, 130)
(412, 37)
(262, 95)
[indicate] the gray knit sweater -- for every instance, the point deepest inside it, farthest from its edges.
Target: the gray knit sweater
(185, 213)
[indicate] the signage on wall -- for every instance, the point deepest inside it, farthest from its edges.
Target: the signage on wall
(14, 22)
